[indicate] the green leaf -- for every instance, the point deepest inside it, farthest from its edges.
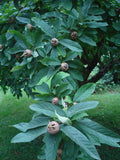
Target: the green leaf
(84, 92)
(86, 7)
(99, 128)
(96, 24)
(116, 39)
(116, 26)
(74, 46)
(54, 52)
(18, 34)
(23, 20)
(47, 109)
(44, 26)
(34, 123)
(64, 120)
(88, 40)
(80, 115)
(58, 77)
(52, 144)
(43, 97)
(93, 133)
(16, 68)
(63, 87)
(79, 107)
(72, 83)
(50, 61)
(70, 150)
(67, 4)
(76, 74)
(80, 139)
(37, 77)
(43, 88)
(29, 136)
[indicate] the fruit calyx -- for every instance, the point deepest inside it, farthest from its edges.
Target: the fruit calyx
(53, 127)
(54, 42)
(55, 100)
(64, 66)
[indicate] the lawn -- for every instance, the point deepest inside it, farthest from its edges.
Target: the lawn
(13, 111)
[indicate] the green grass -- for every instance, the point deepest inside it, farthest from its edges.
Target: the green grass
(13, 111)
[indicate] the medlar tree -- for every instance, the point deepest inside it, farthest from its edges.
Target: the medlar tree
(59, 42)
(83, 34)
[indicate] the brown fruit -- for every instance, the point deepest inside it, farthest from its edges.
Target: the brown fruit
(18, 56)
(27, 53)
(64, 66)
(59, 152)
(54, 42)
(55, 100)
(1, 46)
(53, 127)
(29, 26)
(74, 35)
(11, 19)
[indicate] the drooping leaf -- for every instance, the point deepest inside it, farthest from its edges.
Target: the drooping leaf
(52, 143)
(80, 139)
(84, 92)
(70, 150)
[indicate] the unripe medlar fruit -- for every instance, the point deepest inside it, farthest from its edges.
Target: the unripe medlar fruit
(29, 26)
(27, 53)
(64, 66)
(1, 46)
(74, 35)
(54, 42)
(74, 103)
(55, 100)
(53, 127)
